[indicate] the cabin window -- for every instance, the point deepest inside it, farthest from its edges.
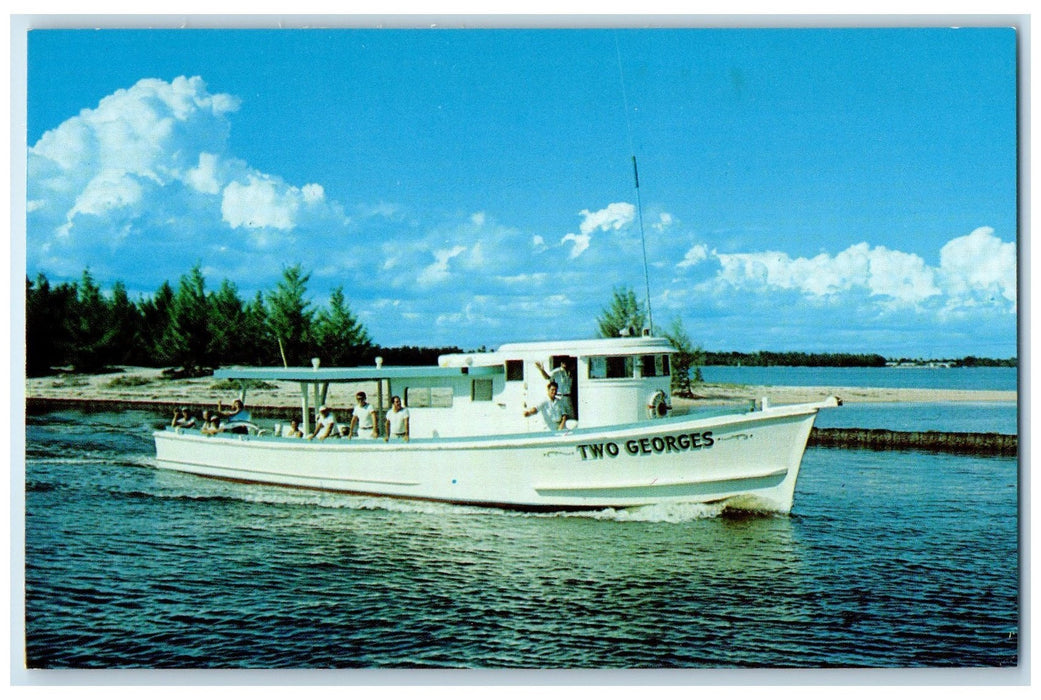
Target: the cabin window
(481, 390)
(428, 397)
(441, 397)
(515, 370)
(654, 365)
(611, 367)
(417, 397)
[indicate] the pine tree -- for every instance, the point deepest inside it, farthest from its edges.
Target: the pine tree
(289, 317)
(688, 357)
(227, 321)
(47, 327)
(125, 327)
(156, 321)
(89, 328)
(257, 347)
(341, 339)
(190, 332)
(625, 315)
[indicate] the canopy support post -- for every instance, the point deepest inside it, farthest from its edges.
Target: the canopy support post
(379, 406)
(305, 409)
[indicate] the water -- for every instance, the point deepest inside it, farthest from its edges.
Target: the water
(889, 559)
(960, 417)
(971, 378)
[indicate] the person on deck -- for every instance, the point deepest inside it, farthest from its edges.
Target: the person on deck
(183, 419)
(553, 409)
(397, 420)
(565, 382)
(325, 426)
(363, 420)
(293, 431)
(212, 426)
(236, 418)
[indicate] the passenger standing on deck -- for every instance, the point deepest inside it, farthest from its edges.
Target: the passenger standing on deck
(565, 381)
(325, 425)
(236, 418)
(397, 420)
(552, 409)
(363, 421)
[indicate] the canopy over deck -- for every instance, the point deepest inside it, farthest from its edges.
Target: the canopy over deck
(318, 379)
(332, 375)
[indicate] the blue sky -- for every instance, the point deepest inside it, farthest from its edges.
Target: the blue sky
(822, 190)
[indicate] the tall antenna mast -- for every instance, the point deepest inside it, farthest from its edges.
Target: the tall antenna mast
(636, 180)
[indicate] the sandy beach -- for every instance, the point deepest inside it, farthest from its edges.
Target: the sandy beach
(148, 385)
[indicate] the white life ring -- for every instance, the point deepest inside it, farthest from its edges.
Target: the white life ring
(658, 405)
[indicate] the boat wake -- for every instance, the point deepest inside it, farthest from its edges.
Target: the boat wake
(657, 513)
(188, 487)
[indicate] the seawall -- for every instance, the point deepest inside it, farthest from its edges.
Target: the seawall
(934, 441)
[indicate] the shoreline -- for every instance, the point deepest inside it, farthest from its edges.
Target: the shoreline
(146, 386)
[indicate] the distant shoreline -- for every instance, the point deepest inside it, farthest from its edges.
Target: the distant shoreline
(146, 387)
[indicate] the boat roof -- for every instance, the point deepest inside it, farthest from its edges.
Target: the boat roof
(456, 364)
(634, 345)
(347, 374)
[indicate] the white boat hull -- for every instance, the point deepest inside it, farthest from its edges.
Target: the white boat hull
(751, 460)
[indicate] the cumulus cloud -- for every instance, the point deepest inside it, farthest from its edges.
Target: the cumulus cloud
(580, 241)
(614, 216)
(152, 160)
(974, 269)
(265, 202)
(696, 254)
(979, 268)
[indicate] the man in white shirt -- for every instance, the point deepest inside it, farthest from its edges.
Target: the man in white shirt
(564, 379)
(397, 420)
(552, 409)
(363, 421)
(325, 425)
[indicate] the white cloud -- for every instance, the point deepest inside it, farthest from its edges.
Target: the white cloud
(147, 174)
(614, 216)
(313, 193)
(108, 190)
(979, 267)
(438, 270)
(204, 176)
(260, 202)
(882, 272)
(665, 220)
(581, 243)
(696, 254)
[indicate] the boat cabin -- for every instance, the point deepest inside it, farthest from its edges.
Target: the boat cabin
(614, 381)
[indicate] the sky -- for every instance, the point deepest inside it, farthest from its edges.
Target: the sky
(817, 190)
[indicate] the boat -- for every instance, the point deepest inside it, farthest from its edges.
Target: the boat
(473, 441)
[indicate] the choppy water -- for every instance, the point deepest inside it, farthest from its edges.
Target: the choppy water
(891, 560)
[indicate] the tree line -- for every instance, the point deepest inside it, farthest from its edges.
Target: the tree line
(75, 325)
(765, 358)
